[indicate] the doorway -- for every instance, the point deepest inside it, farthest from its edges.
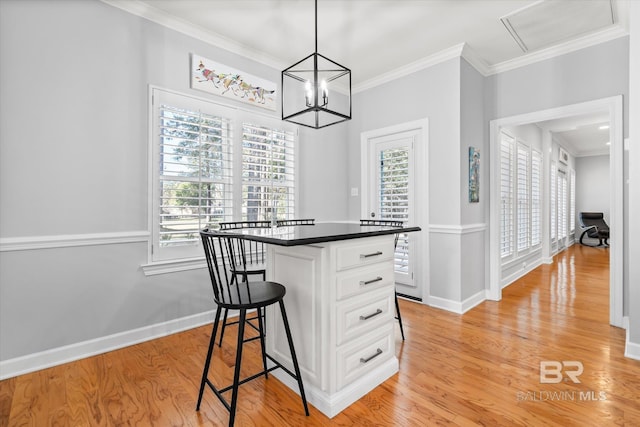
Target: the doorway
(393, 166)
(613, 109)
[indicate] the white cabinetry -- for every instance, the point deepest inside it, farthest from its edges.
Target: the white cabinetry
(340, 304)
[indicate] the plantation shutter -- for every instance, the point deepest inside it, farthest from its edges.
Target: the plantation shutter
(193, 161)
(572, 200)
(522, 190)
(394, 197)
(506, 196)
(268, 173)
(536, 198)
(554, 202)
(562, 205)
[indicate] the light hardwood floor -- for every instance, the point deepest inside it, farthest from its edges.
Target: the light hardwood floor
(481, 368)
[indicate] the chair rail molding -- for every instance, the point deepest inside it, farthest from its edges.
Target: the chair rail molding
(457, 229)
(10, 244)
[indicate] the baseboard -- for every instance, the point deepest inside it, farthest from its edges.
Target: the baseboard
(520, 273)
(332, 405)
(458, 307)
(57, 356)
(632, 349)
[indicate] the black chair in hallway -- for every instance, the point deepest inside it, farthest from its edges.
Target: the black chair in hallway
(595, 227)
(232, 294)
(389, 223)
(249, 261)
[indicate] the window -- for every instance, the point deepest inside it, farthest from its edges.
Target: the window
(554, 203)
(520, 198)
(506, 197)
(536, 199)
(562, 205)
(267, 173)
(213, 163)
(394, 189)
(572, 202)
(522, 183)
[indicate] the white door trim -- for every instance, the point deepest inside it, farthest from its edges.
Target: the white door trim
(613, 106)
(421, 175)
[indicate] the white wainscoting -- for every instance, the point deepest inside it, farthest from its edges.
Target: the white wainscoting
(458, 232)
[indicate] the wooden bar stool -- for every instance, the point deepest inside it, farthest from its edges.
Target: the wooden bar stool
(231, 294)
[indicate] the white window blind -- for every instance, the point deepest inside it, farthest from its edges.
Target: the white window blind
(562, 205)
(572, 201)
(193, 168)
(268, 173)
(506, 196)
(522, 195)
(394, 197)
(536, 198)
(213, 163)
(554, 203)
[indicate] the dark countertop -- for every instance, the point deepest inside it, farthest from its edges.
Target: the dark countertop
(317, 233)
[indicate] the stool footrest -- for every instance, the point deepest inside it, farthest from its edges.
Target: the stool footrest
(219, 391)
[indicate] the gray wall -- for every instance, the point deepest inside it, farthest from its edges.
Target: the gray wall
(473, 128)
(584, 75)
(592, 187)
(433, 93)
(74, 80)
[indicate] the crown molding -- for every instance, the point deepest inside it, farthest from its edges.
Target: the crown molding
(421, 64)
(593, 153)
(158, 16)
(589, 40)
(475, 60)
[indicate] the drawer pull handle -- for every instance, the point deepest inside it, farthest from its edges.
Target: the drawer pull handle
(378, 311)
(362, 256)
(368, 282)
(378, 353)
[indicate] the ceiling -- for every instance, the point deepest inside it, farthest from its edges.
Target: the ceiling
(584, 135)
(379, 39)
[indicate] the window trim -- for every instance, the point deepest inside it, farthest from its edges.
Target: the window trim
(154, 267)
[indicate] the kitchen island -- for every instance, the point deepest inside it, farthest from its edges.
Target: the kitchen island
(340, 303)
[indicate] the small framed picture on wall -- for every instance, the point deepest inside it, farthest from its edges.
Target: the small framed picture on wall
(474, 175)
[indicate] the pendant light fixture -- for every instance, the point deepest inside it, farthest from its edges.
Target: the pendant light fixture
(316, 91)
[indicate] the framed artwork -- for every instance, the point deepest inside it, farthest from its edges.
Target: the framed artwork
(222, 80)
(474, 175)
(563, 156)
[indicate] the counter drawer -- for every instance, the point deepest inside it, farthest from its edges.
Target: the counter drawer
(365, 253)
(366, 279)
(357, 358)
(358, 316)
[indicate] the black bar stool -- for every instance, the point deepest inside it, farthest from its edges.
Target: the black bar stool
(231, 294)
(388, 223)
(292, 222)
(249, 257)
